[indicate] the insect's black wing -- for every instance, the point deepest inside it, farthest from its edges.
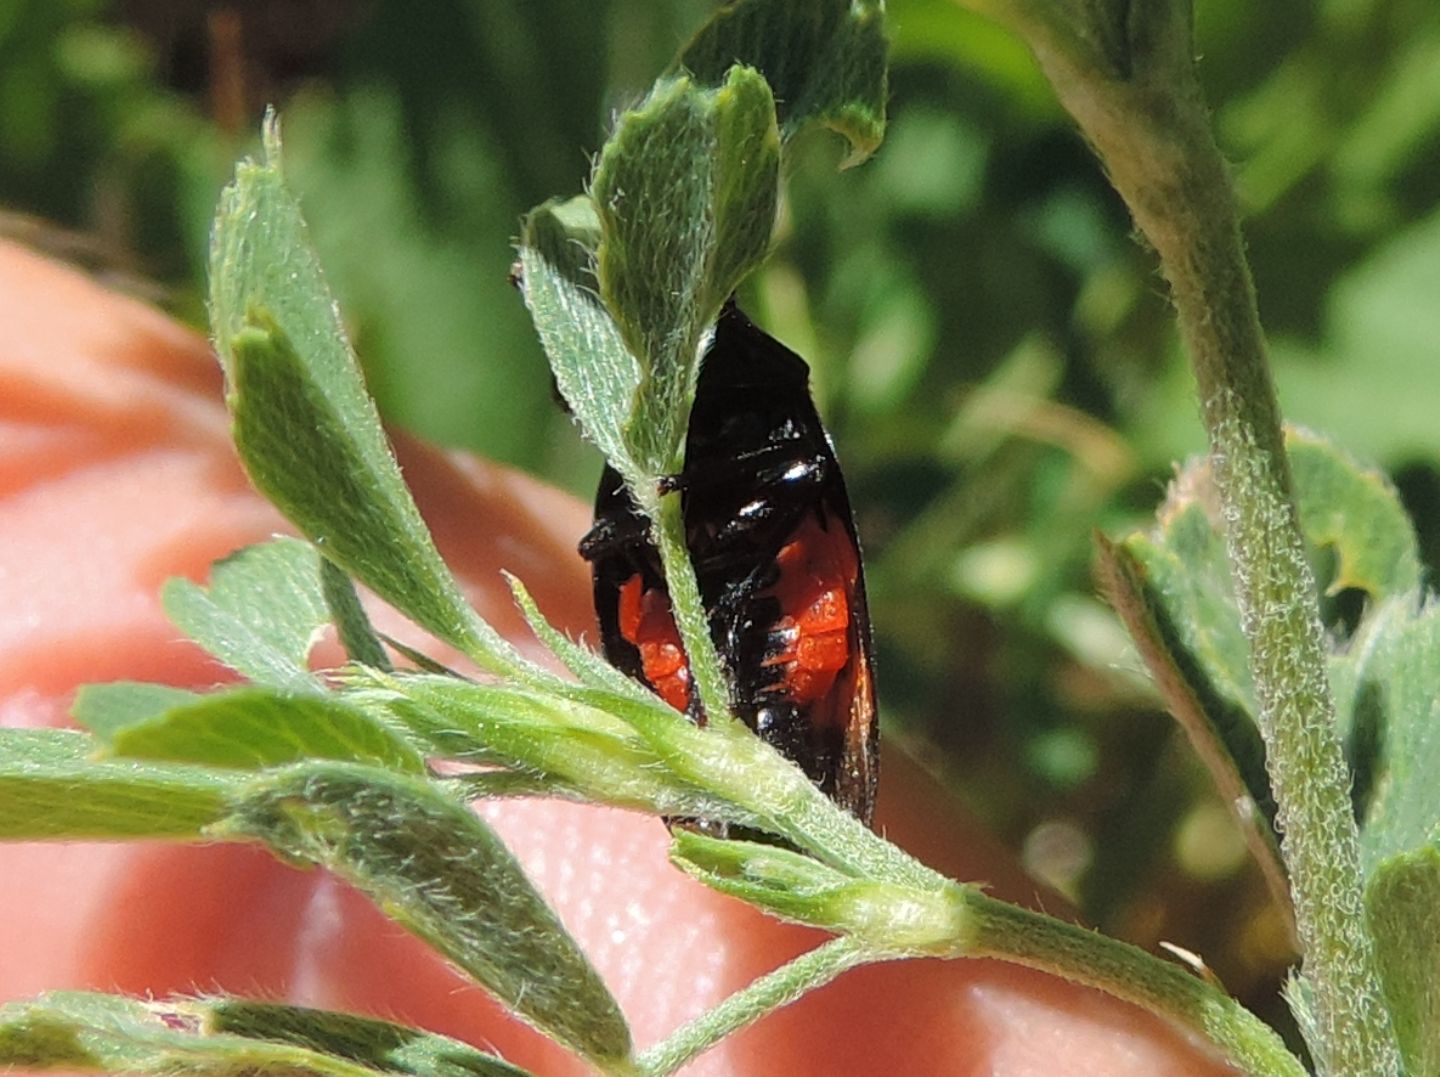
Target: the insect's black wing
(761, 472)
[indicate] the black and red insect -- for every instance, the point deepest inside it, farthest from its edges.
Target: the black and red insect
(769, 530)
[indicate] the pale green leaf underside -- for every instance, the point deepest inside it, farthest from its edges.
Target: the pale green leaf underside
(1402, 903)
(261, 614)
(1346, 508)
(433, 866)
(305, 428)
(594, 371)
(1354, 510)
(1402, 684)
(52, 788)
(247, 727)
(825, 61)
(76, 1030)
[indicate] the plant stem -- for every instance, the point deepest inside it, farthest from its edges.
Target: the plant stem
(707, 675)
(1010, 933)
(1126, 73)
(836, 837)
(774, 989)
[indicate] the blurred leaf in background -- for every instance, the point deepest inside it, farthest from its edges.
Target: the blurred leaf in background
(995, 356)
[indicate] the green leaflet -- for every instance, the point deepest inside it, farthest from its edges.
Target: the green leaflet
(246, 727)
(825, 61)
(77, 1030)
(685, 190)
(433, 866)
(52, 788)
(261, 614)
(1402, 904)
(304, 426)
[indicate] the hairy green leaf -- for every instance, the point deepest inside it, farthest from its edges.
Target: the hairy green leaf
(1402, 904)
(1170, 590)
(261, 614)
(1182, 577)
(825, 61)
(352, 625)
(1222, 734)
(77, 1030)
(306, 430)
(247, 727)
(52, 788)
(438, 870)
(380, 1045)
(1355, 511)
(1404, 686)
(594, 371)
(686, 191)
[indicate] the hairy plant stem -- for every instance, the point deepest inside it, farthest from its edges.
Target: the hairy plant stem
(774, 989)
(1010, 933)
(688, 608)
(1126, 73)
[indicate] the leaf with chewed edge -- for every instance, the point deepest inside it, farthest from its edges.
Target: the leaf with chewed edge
(825, 61)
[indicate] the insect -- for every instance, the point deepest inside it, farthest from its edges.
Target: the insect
(769, 530)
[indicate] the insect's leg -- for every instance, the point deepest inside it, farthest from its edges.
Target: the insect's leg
(614, 535)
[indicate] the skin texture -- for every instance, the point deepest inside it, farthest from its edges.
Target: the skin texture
(116, 473)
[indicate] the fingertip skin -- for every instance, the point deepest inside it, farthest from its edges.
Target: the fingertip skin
(116, 472)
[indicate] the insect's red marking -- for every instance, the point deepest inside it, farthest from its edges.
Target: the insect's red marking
(818, 573)
(646, 621)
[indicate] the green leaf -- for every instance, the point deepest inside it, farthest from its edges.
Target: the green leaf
(380, 1045)
(261, 614)
(1183, 577)
(306, 431)
(686, 192)
(800, 888)
(594, 371)
(1222, 734)
(246, 727)
(352, 625)
(1184, 562)
(1402, 904)
(52, 788)
(1404, 685)
(1171, 589)
(1355, 511)
(105, 708)
(825, 61)
(581, 742)
(432, 865)
(77, 1030)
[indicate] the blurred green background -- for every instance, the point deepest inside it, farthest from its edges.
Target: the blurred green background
(994, 354)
